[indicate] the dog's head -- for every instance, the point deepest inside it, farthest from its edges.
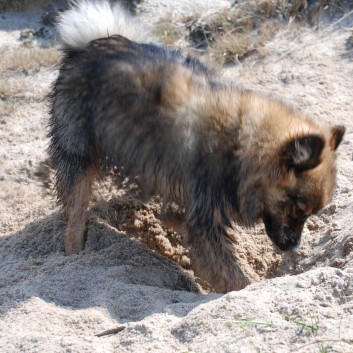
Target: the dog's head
(308, 184)
(302, 185)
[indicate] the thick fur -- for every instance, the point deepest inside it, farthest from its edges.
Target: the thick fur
(87, 20)
(222, 153)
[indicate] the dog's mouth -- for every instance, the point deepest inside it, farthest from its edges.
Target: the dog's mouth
(286, 236)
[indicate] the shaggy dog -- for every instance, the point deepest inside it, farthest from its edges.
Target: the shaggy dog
(223, 154)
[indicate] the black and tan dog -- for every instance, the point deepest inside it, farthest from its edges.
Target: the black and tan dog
(221, 153)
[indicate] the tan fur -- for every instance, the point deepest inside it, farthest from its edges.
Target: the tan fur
(76, 205)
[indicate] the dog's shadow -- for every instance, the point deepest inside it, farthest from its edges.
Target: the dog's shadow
(113, 272)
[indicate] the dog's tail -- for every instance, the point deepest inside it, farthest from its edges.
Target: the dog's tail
(87, 20)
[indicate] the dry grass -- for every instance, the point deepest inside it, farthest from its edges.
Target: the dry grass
(168, 32)
(19, 5)
(232, 35)
(24, 61)
(5, 91)
(27, 60)
(6, 106)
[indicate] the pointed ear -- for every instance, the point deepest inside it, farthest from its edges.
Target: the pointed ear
(304, 152)
(337, 133)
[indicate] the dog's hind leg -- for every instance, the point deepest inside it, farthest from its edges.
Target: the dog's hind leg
(76, 203)
(75, 161)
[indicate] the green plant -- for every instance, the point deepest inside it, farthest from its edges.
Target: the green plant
(244, 321)
(312, 326)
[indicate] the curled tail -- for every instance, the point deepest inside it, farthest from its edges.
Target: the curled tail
(87, 20)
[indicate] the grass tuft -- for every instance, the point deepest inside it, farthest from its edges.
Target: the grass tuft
(19, 5)
(233, 34)
(242, 322)
(6, 107)
(27, 60)
(313, 326)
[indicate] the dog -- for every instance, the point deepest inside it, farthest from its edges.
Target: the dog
(222, 153)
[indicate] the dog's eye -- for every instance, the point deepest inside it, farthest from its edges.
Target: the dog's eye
(304, 207)
(301, 206)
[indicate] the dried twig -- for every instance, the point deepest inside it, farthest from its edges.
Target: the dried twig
(111, 331)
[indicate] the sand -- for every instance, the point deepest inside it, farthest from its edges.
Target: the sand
(134, 273)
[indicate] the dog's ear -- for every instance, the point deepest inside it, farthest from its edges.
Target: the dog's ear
(337, 133)
(303, 153)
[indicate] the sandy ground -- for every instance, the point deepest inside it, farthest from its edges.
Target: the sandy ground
(300, 301)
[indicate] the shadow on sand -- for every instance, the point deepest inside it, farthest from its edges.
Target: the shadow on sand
(113, 272)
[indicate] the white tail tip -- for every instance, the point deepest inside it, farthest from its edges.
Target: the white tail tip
(88, 20)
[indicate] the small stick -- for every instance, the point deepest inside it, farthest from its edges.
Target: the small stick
(111, 331)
